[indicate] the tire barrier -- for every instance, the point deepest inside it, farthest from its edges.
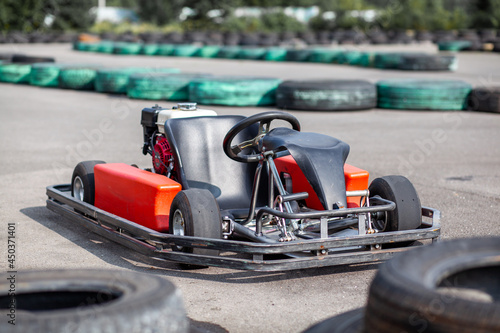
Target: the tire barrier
(15, 72)
(185, 50)
(165, 49)
(252, 53)
(45, 74)
(428, 62)
(301, 55)
(95, 301)
(325, 55)
(455, 45)
(423, 94)
(446, 287)
(229, 52)
(326, 95)
(209, 51)
(115, 80)
(78, 77)
(382, 60)
(127, 48)
(275, 54)
(234, 90)
(485, 99)
(150, 49)
(105, 47)
(161, 86)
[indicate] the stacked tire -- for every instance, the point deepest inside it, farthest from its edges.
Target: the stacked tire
(162, 86)
(485, 99)
(447, 287)
(115, 80)
(413, 94)
(91, 301)
(234, 90)
(326, 95)
(78, 77)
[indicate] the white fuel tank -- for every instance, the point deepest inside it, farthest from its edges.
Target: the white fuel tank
(182, 110)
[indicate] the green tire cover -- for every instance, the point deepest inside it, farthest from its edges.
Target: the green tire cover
(45, 74)
(15, 72)
(326, 95)
(414, 94)
(387, 60)
(234, 91)
(105, 47)
(78, 77)
(366, 59)
(161, 86)
(86, 46)
(209, 51)
(165, 49)
(115, 80)
(229, 52)
(298, 55)
(275, 54)
(456, 45)
(150, 49)
(185, 50)
(350, 58)
(325, 55)
(127, 48)
(252, 53)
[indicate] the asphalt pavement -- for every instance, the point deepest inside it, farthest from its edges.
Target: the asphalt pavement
(452, 158)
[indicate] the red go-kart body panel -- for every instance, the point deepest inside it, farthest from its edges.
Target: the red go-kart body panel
(355, 179)
(134, 194)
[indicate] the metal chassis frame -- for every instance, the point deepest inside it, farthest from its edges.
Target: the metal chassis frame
(158, 245)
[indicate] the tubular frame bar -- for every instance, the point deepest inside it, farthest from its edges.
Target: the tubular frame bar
(121, 230)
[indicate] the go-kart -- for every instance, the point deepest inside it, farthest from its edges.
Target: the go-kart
(232, 191)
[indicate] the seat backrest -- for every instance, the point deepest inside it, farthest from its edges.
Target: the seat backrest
(200, 160)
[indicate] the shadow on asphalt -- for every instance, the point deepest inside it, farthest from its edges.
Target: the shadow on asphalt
(121, 256)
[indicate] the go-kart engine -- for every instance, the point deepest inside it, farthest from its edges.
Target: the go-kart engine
(161, 156)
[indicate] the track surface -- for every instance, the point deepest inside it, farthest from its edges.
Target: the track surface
(453, 159)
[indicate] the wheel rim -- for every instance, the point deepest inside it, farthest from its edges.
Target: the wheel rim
(78, 188)
(379, 221)
(178, 226)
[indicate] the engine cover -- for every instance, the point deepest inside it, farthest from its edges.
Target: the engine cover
(161, 156)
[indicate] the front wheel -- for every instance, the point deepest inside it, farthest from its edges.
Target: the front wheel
(408, 212)
(195, 212)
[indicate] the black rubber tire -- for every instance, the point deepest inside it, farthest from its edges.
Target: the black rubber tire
(428, 62)
(200, 215)
(485, 99)
(23, 59)
(85, 171)
(398, 189)
(348, 322)
(438, 288)
(326, 95)
(91, 301)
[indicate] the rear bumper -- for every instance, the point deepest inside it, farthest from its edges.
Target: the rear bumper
(237, 254)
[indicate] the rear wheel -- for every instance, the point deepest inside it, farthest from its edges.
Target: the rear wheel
(195, 212)
(399, 190)
(82, 181)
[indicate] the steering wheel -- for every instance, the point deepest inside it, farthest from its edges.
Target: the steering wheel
(265, 119)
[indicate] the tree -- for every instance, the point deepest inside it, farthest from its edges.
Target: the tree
(71, 14)
(486, 14)
(26, 16)
(160, 12)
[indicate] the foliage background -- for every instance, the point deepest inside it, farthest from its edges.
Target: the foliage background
(163, 15)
